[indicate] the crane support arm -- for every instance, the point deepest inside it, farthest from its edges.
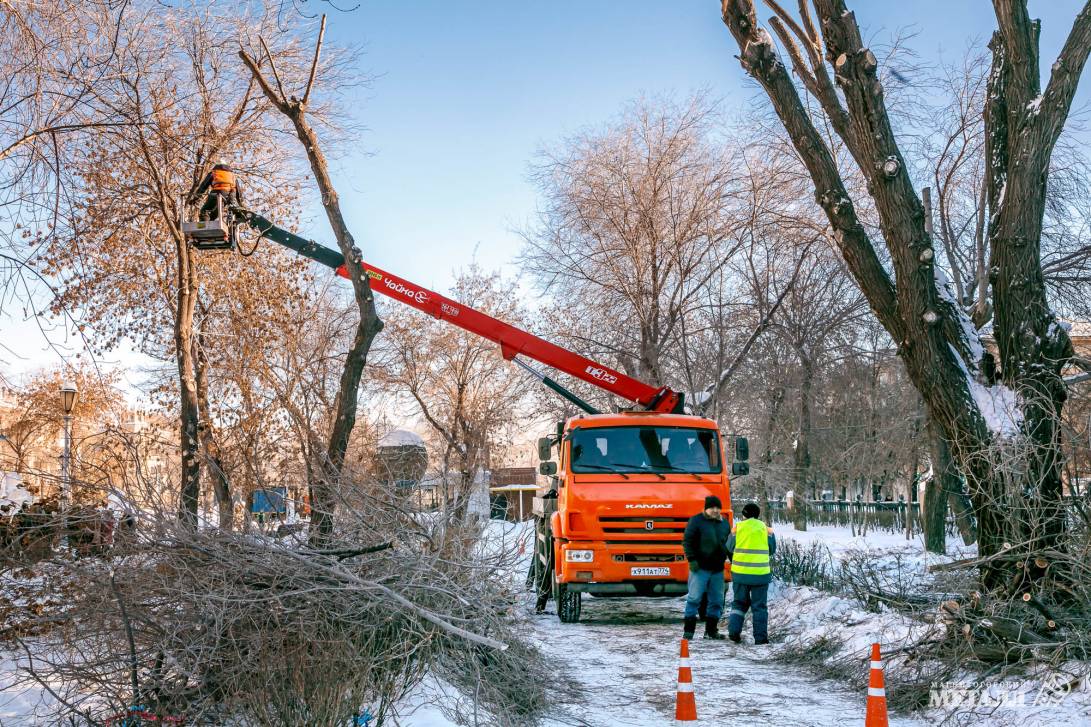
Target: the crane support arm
(512, 341)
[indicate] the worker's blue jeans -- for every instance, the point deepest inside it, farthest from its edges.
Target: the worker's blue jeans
(755, 599)
(700, 583)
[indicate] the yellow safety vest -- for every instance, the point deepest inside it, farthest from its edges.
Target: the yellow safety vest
(751, 548)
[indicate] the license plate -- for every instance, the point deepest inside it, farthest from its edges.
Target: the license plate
(650, 571)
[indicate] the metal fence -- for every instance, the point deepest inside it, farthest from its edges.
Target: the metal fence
(889, 516)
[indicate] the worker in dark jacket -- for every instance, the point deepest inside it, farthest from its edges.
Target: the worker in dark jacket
(705, 545)
(751, 548)
(221, 184)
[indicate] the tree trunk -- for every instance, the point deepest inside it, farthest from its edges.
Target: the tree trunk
(1033, 348)
(935, 493)
(367, 328)
(963, 510)
(189, 408)
(776, 399)
(802, 459)
(221, 485)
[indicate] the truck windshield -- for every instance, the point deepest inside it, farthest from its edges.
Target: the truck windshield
(645, 449)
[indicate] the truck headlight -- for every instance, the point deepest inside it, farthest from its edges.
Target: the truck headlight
(579, 556)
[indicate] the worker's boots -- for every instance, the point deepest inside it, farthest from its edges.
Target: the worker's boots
(688, 627)
(712, 630)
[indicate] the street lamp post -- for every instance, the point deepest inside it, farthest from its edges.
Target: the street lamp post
(69, 396)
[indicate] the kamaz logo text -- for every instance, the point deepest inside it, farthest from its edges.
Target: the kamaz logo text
(602, 374)
(418, 295)
(650, 506)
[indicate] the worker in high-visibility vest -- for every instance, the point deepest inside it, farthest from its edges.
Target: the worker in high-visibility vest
(750, 548)
(221, 185)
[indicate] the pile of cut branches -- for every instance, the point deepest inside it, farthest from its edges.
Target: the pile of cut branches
(225, 627)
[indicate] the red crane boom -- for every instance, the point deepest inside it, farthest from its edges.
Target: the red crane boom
(217, 234)
(514, 341)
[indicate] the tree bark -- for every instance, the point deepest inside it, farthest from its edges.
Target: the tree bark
(189, 407)
(948, 485)
(776, 399)
(221, 484)
(934, 522)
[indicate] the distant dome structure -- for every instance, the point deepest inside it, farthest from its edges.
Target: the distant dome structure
(402, 458)
(401, 438)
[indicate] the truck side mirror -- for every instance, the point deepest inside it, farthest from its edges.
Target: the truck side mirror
(545, 448)
(742, 449)
(547, 468)
(738, 469)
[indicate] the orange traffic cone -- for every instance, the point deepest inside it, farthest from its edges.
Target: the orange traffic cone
(685, 708)
(876, 692)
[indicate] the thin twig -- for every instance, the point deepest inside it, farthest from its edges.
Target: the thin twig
(273, 65)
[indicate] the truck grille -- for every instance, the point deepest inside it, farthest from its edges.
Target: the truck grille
(665, 530)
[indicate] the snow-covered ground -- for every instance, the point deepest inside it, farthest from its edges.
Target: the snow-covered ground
(840, 540)
(624, 653)
(623, 656)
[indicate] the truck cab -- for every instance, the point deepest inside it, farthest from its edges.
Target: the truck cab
(624, 487)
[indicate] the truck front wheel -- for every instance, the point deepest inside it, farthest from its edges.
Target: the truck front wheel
(569, 604)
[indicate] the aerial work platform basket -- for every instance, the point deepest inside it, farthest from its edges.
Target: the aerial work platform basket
(214, 234)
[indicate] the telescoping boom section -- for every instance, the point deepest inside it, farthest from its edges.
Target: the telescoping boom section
(513, 341)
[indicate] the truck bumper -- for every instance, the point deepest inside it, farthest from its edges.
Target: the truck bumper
(620, 570)
(637, 588)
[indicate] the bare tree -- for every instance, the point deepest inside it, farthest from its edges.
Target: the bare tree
(295, 109)
(138, 279)
(637, 222)
(816, 323)
(458, 382)
(934, 335)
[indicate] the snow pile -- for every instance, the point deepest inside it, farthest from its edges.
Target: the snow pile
(22, 701)
(13, 496)
(970, 333)
(807, 615)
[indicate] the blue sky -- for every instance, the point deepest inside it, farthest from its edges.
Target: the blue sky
(466, 92)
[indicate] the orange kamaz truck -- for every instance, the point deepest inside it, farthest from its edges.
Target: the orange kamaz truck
(623, 485)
